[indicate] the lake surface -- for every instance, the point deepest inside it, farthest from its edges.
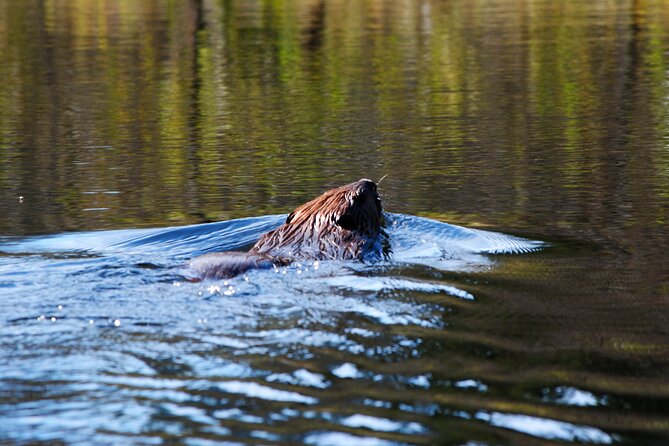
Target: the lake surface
(525, 149)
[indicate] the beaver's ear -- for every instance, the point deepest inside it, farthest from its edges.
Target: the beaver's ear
(290, 217)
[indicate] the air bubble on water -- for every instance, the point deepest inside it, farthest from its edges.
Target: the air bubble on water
(176, 283)
(41, 317)
(91, 321)
(117, 323)
(53, 319)
(214, 289)
(60, 307)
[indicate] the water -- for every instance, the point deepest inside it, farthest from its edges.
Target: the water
(130, 347)
(136, 135)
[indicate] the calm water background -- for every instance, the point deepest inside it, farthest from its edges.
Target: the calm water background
(544, 119)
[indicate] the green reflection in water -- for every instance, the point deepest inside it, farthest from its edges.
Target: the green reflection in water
(179, 112)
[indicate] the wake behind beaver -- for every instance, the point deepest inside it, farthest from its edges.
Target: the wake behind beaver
(341, 224)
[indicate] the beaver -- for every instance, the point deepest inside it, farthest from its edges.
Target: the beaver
(341, 224)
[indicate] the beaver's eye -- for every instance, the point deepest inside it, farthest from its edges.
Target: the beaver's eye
(346, 222)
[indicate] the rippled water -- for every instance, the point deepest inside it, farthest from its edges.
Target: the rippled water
(129, 347)
(137, 135)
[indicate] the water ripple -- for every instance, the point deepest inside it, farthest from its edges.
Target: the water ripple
(138, 352)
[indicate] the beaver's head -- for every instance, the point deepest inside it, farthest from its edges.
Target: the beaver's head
(353, 207)
(340, 224)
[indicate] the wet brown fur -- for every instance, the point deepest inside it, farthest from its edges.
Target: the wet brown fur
(341, 224)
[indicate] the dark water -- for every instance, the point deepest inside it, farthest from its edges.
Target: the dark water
(126, 127)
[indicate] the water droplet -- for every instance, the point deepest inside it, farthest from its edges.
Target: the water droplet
(117, 323)
(91, 321)
(53, 319)
(60, 307)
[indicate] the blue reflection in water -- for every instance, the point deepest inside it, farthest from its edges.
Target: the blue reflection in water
(103, 338)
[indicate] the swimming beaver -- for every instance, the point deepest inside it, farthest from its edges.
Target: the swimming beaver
(342, 224)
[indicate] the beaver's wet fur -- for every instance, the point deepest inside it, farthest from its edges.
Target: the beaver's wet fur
(341, 224)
